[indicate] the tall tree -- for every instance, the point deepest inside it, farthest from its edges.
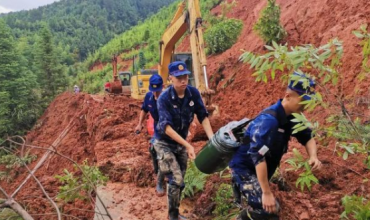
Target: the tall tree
(51, 73)
(18, 98)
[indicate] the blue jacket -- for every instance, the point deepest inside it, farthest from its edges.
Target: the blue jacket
(179, 113)
(267, 132)
(150, 105)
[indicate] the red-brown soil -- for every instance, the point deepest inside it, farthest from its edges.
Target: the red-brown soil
(104, 129)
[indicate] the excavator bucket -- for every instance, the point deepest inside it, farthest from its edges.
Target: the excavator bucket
(116, 87)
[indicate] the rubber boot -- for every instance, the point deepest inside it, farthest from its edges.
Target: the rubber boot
(237, 196)
(153, 155)
(181, 217)
(173, 193)
(160, 183)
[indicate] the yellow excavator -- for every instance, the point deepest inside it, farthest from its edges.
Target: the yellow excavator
(135, 85)
(187, 18)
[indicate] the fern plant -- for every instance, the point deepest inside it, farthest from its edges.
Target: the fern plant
(356, 207)
(306, 178)
(194, 181)
(224, 203)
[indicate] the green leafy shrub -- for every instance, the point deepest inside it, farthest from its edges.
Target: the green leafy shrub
(11, 161)
(268, 26)
(357, 207)
(222, 35)
(194, 180)
(80, 187)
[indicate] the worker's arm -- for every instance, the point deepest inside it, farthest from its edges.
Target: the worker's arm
(311, 149)
(260, 136)
(144, 111)
(141, 120)
(207, 127)
(305, 138)
(202, 114)
(176, 137)
(268, 199)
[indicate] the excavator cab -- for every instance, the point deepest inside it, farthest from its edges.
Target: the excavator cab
(125, 78)
(188, 60)
(140, 83)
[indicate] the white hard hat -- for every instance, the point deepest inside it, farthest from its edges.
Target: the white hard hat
(75, 86)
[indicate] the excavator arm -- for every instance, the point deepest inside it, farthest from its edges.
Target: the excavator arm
(116, 86)
(186, 19)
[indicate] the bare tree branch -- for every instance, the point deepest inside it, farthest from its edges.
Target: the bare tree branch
(72, 161)
(45, 214)
(4, 192)
(40, 185)
(45, 156)
(11, 203)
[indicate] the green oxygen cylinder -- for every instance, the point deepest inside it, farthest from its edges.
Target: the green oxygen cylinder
(210, 159)
(217, 153)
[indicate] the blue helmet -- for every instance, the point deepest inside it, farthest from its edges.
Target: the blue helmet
(178, 68)
(155, 83)
(298, 87)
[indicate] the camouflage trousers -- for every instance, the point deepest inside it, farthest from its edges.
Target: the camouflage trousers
(172, 162)
(246, 184)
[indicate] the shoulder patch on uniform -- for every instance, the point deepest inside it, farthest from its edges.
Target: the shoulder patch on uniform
(281, 130)
(174, 106)
(263, 150)
(191, 103)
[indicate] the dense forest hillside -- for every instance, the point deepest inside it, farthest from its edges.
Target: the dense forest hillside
(41, 50)
(83, 26)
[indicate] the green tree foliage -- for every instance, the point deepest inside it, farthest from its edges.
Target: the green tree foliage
(222, 35)
(306, 178)
(18, 88)
(86, 25)
(142, 60)
(362, 34)
(146, 36)
(129, 42)
(50, 72)
(268, 26)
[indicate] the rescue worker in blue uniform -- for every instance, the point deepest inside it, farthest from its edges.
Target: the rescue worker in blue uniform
(150, 105)
(265, 141)
(176, 108)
